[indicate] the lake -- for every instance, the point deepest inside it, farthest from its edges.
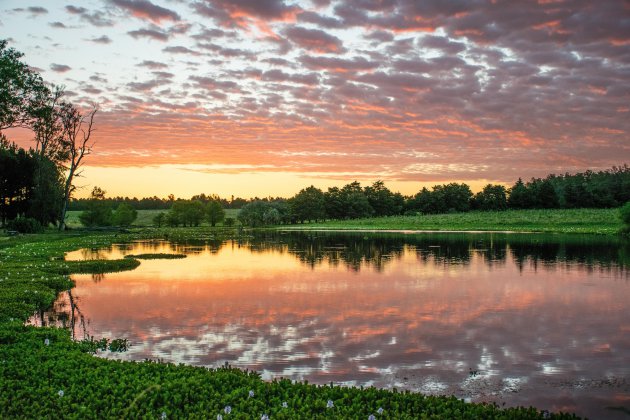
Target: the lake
(520, 319)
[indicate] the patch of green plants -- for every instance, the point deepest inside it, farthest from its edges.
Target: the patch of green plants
(44, 373)
(156, 256)
(592, 221)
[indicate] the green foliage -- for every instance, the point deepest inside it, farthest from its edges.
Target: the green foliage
(124, 215)
(228, 222)
(214, 212)
(19, 86)
(159, 219)
(308, 204)
(185, 212)
(446, 198)
(383, 201)
(25, 225)
(263, 213)
(491, 198)
(98, 212)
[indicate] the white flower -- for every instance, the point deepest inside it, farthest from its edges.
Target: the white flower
(251, 394)
(163, 415)
(284, 404)
(227, 409)
(264, 417)
(330, 404)
(219, 417)
(380, 410)
(371, 417)
(60, 393)
(47, 342)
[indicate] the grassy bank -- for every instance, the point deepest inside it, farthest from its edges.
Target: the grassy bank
(597, 221)
(43, 373)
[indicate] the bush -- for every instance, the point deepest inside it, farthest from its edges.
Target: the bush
(25, 225)
(624, 215)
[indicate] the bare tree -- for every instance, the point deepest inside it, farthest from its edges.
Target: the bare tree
(77, 130)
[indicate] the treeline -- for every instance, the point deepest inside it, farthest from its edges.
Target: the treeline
(157, 203)
(610, 188)
(603, 189)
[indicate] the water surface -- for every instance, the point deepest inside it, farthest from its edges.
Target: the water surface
(522, 319)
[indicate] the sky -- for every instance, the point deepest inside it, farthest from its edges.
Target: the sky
(265, 97)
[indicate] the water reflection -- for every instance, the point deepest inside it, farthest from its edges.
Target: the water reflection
(541, 315)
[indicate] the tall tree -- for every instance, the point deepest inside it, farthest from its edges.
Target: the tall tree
(19, 85)
(77, 130)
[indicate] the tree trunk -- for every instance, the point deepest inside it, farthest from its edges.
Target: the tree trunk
(66, 198)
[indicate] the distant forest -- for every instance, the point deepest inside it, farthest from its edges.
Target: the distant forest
(602, 189)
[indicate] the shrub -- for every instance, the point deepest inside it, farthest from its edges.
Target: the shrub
(624, 215)
(25, 225)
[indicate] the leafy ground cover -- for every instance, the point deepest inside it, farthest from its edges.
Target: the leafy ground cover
(155, 256)
(43, 373)
(597, 221)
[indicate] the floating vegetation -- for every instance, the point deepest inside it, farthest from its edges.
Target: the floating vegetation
(157, 256)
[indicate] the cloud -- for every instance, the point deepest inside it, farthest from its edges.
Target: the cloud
(240, 13)
(338, 64)
(178, 49)
(37, 10)
(60, 68)
(95, 18)
(59, 25)
(144, 9)
(314, 40)
(103, 39)
(149, 33)
(152, 64)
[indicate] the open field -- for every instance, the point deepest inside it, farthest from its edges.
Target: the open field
(597, 221)
(145, 217)
(44, 371)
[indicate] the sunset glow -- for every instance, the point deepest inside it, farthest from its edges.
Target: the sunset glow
(265, 97)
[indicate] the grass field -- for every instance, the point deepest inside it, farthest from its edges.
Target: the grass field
(44, 374)
(145, 217)
(598, 221)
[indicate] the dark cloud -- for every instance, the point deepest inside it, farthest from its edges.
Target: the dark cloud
(144, 9)
(60, 68)
(152, 64)
(209, 83)
(95, 18)
(226, 52)
(37, 10)
(149, 33)
(59, 25)
(319, 20)
(314, 40)
(179, 50)
(103, 39)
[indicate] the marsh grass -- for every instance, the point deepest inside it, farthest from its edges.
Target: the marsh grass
(595, 221)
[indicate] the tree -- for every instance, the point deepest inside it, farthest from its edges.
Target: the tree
(77, 130)
(308, 204)
(159, 219)
(124, 215)
(492, 197)
(214, 212)
(19, 85)
(99, 212)
(519, 196)
(17, 180)
(383, 201)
